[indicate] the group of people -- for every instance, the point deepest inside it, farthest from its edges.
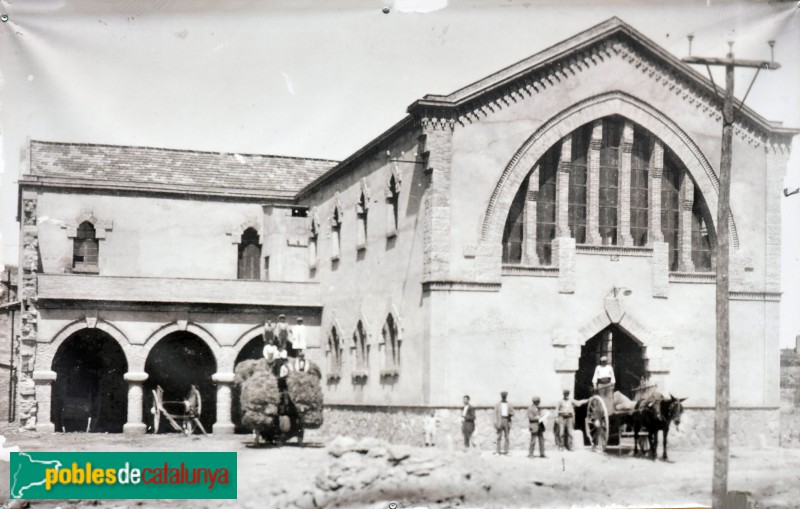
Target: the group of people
(284, 348)
(603, 379)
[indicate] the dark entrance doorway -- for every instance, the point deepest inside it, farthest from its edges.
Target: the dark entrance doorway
(624, 353)
(90, 393)
(177, 362)
(254, 349)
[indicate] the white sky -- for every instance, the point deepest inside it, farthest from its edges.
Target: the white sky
(320, 79)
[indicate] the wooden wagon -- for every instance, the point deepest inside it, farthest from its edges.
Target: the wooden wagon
(183, 416)
(607, 412)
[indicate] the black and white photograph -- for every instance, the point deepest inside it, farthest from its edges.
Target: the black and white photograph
(400, 253)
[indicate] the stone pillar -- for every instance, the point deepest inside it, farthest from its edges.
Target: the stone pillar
(654, 185)
(593, 186)
(529, 227)
(564, 259)
(624, 218)
(223, 426)
(437, 136)
(660, 269)
(687, 203)
(43, 382)
(135, 426)
(562, 188)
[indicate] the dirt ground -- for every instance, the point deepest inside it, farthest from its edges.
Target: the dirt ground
(471, 479)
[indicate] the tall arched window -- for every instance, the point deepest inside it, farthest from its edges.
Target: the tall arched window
(249, 255)
(85, 249)
(393, 204)
(334, 352)
(391, 343)
(618, 171)
(336, 230)
(360, 346)
(313, 239)
(361, 219)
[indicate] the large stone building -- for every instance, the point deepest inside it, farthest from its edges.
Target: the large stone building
(498, 238)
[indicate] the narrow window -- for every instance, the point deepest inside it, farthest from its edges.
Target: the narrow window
(609, 180)
(512, 233)
(334, 352)
(336, 228)
(393, 203)
(85, 249)
(391, 344)
(640, 159)
(577, 183)
(249, 255)
(313, 236)
(670, 207)
(360, 343)
(546, 205)
(361, 218)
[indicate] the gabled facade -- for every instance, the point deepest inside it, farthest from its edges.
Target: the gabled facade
(502, 237)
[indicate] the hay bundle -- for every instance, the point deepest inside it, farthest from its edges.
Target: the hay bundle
(259, 394)
(306, 394)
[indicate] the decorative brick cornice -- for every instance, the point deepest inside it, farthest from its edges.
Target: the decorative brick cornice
(693, 277)
(589, 249)
(529, 270)
(434, 123)
(756, 296)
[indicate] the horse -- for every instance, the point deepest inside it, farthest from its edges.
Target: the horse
(653, 419)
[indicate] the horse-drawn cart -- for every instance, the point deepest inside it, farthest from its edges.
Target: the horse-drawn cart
(609, 414)
(183, 416)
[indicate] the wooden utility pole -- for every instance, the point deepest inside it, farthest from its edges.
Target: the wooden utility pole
(719, 486)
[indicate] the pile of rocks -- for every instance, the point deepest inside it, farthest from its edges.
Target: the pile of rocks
(369, 471)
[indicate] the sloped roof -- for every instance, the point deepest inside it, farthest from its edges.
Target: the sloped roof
(161, 169)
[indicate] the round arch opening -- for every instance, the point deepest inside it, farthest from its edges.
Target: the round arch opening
(624, 353)
(178, 361)
(253, 349)
(90, 393)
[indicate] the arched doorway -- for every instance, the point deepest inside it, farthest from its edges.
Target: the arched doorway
(177, 362)
(254, 349)
(90, 393)
(624, 353)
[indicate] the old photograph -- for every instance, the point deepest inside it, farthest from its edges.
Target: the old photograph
(399, 254)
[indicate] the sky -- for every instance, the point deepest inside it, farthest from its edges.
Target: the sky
(322, 78)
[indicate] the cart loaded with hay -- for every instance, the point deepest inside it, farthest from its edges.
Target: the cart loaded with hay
(278, 415)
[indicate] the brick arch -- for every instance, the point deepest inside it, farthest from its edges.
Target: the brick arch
(588, 110)
(46, 352)
(211, 342)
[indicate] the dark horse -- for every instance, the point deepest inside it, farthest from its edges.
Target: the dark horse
(654, 419)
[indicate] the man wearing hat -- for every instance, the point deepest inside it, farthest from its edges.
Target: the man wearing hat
(566, 418)
(298, 338)
(536, 427)
(282, 333)
(503, 413)
(603, 374)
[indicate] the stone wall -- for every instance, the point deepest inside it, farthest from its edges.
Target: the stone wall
(749, 427)
(790, 398)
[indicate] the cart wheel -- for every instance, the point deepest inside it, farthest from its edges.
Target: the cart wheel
(597, 422)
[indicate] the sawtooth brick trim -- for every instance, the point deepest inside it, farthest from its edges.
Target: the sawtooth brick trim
(589, 110)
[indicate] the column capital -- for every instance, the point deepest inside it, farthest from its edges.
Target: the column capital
(44, 376)
(223, 378)
(135, 376)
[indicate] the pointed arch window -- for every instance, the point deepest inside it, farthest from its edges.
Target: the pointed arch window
(391, 342)
(334, 354)
(249, 255)
(85, 249)
(360, 347)
(313, 238)
(393, 206)
(361, 220)
(625, 188)
(336, 230)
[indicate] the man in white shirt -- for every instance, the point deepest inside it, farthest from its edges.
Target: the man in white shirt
(298, 337)
(603, 374)
(503, 413)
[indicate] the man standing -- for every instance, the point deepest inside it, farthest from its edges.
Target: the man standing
(566, 419)
(603, 374)
(536, 427)
(282, 333)
(298, 338)
(467, 421)
(503, 413)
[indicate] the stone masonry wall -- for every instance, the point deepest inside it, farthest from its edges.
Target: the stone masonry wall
(790, 398)
(752, 428)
